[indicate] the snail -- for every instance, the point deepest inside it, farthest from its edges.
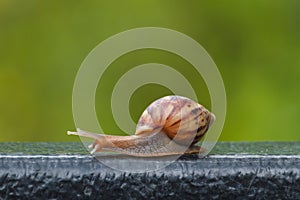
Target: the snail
(170, 125)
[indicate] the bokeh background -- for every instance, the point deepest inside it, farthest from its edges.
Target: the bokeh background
(255, 44)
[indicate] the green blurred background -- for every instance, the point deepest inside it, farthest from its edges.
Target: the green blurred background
(255, 44)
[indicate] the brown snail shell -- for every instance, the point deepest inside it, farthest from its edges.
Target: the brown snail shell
(170, 125)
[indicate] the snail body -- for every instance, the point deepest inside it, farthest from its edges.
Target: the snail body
(170, 125)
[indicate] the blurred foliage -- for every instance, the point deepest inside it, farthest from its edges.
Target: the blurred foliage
(255, 44)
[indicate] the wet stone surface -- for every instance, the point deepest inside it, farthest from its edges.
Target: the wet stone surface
(68, 171)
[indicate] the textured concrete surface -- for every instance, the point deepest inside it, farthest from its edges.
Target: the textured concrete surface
(57, 171)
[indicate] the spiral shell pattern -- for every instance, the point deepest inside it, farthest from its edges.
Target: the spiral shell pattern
(178, 117)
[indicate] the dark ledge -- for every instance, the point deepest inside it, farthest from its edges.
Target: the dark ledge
(232, 170)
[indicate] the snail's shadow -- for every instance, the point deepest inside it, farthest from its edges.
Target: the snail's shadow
(119, 156)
